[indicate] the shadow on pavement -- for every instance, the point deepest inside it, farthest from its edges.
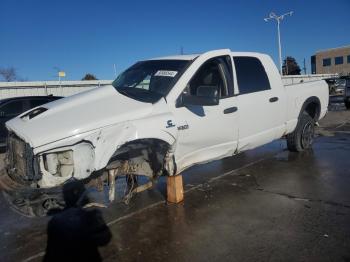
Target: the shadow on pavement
(75, 233)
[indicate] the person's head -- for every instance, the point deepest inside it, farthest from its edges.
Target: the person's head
(72, 192)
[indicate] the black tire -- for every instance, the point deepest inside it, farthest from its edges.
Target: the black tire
(303, 135)
(347, 104)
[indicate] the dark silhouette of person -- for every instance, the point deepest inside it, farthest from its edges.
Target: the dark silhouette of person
(75, 233)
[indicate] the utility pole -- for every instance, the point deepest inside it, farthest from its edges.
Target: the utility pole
(278, 19)
(304, 67)
(181, 50)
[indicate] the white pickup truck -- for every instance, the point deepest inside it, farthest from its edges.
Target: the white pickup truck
(160, 117)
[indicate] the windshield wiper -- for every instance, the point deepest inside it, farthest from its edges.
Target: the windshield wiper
(140, 94)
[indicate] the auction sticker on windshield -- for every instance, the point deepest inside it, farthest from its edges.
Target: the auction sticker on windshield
(166, 73)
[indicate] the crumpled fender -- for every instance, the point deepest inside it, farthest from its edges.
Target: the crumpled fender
(107, 140)
(160, 127)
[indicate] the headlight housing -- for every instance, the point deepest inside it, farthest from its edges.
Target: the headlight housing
(76, 161)
(60, 163)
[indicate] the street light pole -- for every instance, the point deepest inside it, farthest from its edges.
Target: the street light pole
(279, 45)
(278, 20)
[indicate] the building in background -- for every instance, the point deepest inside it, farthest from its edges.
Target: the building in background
(331, 61)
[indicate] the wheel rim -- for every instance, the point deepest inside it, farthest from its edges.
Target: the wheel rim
(307, 136)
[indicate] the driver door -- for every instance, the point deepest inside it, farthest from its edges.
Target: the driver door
(208, 132)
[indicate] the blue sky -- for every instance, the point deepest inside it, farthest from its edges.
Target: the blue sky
(89, 36)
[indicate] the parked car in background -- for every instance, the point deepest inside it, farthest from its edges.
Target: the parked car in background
(347, 92)
(14, 106)
(336, 85)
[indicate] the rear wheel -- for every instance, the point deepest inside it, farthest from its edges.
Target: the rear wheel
(303, 135)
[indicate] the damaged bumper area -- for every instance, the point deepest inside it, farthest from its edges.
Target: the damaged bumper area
(29, 201)
(32, 184)
(48, 169)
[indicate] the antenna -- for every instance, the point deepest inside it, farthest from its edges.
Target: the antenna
(181, 50)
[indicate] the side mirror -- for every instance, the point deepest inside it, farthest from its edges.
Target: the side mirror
(206, 96)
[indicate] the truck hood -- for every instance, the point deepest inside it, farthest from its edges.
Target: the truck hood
(77, 114)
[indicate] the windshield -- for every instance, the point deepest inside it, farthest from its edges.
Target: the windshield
(148, 81)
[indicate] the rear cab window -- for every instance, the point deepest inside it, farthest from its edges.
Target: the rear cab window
(251, 75)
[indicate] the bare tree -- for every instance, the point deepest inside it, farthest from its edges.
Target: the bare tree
(8, 74)
(89, 76)
(290, 66)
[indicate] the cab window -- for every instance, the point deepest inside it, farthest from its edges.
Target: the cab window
(215, 73)
(251, 75)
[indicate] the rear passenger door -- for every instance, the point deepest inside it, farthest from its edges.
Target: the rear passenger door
(259, 104)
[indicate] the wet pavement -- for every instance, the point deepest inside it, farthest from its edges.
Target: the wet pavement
(266, 204)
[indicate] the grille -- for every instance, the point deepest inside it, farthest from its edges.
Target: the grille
(21, 162)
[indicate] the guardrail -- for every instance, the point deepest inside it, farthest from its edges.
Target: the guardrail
(44, 88)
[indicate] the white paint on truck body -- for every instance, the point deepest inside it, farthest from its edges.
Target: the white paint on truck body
(106, 120)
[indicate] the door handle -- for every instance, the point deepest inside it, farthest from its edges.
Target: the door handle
(230, 110)
(273, 99)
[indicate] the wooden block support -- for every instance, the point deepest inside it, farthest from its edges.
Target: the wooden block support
(111, 181)
(175, 190)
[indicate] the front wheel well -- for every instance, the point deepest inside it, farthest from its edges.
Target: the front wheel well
(152, 151)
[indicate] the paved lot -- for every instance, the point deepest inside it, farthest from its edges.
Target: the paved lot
(263, 205)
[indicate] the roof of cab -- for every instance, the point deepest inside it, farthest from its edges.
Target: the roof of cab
(177, 57)
(194, 56)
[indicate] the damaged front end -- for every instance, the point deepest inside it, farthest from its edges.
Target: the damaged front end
(48, 169)
(21, 165)
(70, 140)
(33, 182)
(19, 178)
